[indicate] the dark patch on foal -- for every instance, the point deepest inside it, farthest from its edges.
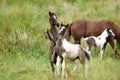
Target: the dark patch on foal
(91, 42)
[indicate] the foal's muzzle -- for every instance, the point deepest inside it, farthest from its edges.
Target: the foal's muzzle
(57, 24)
(52, 60)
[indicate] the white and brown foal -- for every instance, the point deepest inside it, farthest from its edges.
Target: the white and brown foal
(101, 41)
(66, 50)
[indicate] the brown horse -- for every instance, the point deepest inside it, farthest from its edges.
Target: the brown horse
(53, 23)
(86, 28)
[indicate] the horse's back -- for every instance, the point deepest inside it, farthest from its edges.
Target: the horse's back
(72, 49)
(85, 28)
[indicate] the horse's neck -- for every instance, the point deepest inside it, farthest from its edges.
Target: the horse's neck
(65, 42)
(101, 39)
(103, 35)
(54, 32)
(53, 29)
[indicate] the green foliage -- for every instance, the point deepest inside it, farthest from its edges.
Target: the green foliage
(24, 49)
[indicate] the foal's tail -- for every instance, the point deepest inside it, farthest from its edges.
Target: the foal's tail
(68, 32)
(87, 55)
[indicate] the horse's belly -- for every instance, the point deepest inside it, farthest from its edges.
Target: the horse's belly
(73, 53)
(72, 50)
(100, 42)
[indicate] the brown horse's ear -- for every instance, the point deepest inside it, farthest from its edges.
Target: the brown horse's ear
(67, 25)
(50, 13)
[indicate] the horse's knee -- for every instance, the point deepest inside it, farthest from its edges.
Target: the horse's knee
(116, 53)
(77, 42)
(82, 61)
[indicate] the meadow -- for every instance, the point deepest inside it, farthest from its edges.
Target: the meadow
(24, 49)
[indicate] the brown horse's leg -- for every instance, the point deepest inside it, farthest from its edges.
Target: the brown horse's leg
(77, 41)
(111, 42)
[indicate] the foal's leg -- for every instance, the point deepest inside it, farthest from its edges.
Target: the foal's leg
(58, 66)
(53, 68)
(111, 42)
(75, 66)
(52, 65)
(82, 60)
(89, 49)
(85, 67)
(63, 69)
(51, 62)
(101, 52)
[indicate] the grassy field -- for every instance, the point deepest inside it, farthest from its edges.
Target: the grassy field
(24, 49)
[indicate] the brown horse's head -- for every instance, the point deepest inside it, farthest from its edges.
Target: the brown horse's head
(53, 19)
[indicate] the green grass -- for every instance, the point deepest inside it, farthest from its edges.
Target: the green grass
(24, 49)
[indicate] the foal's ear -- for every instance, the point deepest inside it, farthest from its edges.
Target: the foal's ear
(67, 25)
(61, 24)
(108, 28)
(50, 13)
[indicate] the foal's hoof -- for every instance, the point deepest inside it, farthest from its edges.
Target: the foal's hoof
(118, 56)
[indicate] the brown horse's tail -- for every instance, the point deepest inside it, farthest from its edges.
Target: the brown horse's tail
(68, 32)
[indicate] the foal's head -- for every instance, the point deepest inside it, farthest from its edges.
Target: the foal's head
(53, 19)
(63, 29)
(110, 33)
